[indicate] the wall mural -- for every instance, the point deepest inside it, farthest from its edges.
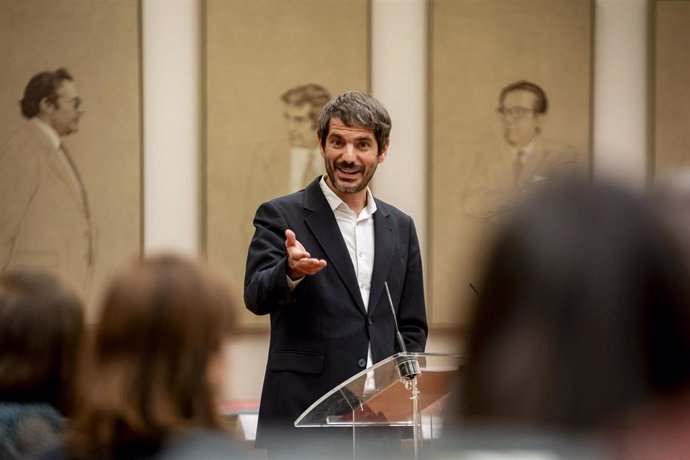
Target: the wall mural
(670, 89)
(70, 139)
(271, 65)
(510, 109)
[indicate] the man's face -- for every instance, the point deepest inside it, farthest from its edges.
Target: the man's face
(351, 156)
(65, 114)
(300, 126)
(520, 122)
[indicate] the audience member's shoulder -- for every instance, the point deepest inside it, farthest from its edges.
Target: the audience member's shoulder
(510, 443)
(206, 444)
(56, 453)
(27, 430)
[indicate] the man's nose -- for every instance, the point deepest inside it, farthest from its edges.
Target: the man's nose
(349, 153)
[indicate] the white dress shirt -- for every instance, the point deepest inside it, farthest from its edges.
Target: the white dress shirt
(358, 233)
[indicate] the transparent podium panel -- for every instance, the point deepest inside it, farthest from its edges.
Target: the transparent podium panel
(404, 390)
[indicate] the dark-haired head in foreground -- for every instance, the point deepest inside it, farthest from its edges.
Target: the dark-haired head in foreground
(157, 362)
(583, 314)
(41, 328)
(41, 321)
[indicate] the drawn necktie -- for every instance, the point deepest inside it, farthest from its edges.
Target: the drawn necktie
(517, 166)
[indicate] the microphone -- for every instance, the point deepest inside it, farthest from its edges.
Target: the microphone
(474, 289)
(408, 367)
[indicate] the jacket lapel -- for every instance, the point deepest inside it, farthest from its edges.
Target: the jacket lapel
(383, 254)
(50, 153)
(533, 166)
(321, 221)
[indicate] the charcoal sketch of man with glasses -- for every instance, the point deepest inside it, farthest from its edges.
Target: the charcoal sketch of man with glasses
(527, 158)
(45, 219)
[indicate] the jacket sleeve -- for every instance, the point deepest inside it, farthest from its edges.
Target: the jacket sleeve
(412, 320)
(265, 283)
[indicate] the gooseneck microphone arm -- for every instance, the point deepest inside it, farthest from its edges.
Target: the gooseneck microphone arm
(398, 335)
(474, 289)
(408, 367)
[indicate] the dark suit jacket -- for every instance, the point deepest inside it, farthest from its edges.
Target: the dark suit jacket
(320, 332)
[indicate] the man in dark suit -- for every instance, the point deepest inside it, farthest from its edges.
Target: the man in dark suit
(317, 264)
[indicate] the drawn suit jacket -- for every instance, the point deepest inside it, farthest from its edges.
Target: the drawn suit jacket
(44, 218)
(493, 185)
(320, 332)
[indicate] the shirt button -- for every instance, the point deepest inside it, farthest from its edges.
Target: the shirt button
(362, 363)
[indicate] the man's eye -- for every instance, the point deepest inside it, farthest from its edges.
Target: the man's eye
(336, 142)
(364, 145)
(519, 111)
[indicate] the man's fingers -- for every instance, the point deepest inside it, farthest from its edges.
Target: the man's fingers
(294, 248)
(299, 260)
(310, 266)
(297, 252)
(290, 238)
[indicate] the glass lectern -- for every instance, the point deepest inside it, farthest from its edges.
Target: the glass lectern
(404, 390)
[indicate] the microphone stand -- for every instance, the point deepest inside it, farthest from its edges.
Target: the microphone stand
(408, 367)
(408, 370)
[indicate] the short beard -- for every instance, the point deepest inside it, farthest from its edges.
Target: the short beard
(349, 188)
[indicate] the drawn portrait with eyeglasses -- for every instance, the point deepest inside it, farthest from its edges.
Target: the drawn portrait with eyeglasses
(45, 219)
(302, 106)
(525, 158)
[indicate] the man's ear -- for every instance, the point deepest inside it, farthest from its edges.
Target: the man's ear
(45, 106)
(539, 118)
(323, 153)
(384, 152)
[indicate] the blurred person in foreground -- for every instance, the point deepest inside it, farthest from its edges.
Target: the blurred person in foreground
(41, 328)
(157, 366)
(671, 196)
(582, 325)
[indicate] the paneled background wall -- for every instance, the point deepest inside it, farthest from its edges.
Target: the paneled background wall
(172, 69)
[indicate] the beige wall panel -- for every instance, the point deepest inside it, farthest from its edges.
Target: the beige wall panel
(255, 51)
(98, 42)
(477, 48)
(671, 110)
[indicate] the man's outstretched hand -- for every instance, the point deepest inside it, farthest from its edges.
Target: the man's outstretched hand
(300, 263)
